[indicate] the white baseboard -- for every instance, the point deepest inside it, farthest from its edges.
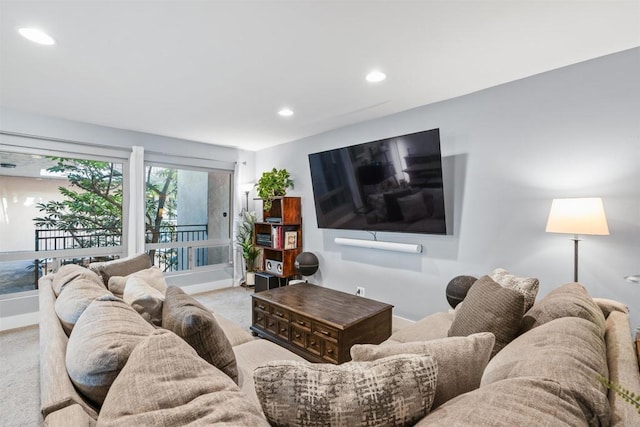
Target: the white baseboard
(206, 287)
(19, 320)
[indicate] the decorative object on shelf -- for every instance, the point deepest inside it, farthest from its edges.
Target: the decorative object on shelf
(457, 289)
(377, 244)
(577, 216)
(306, 264)
(244, 237)
(273, 184)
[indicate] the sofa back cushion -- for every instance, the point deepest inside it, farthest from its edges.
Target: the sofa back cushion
(192, 322)
(165, 383)
(571, 351)
(393, 391)
(570, 300)
(153, 276)
(145, 299)
(75, 298)
(69, 272)
(525, 401)
(461, 360)
(101, 343)
(489, 307)
(120, 267)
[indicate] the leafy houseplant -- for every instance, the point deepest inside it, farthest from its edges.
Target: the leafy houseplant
(273, 184)
(244, 237)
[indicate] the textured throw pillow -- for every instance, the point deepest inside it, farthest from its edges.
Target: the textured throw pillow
(165, 383)
(413, 207)
(120, 267)
(570, 300)
(570, 350)
(527, 286)
(153, 276)
(394, 391)
(192, 322)
(75, 298)
(101, 343)
(488, 307)
(145, 299)
(527, 401)
(461, 360)
(69, 272)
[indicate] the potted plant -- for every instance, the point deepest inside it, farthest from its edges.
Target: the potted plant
(250, 253)
(273, 184)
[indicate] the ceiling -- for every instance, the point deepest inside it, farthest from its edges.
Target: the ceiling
(218, 71)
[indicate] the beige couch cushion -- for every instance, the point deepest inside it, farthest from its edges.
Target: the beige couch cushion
(101, 343)
(431, 327)
(512, 402)
(570, 300)
(75, 298)
(120, 267)
(394, 391)
(461, 360)
(235, 333)
(571, 351)
(527, 286)
(145, 299)
(489, 307)
(69, 272)
(153, 276)
(165, 383)
(608, 306)
(192, 322)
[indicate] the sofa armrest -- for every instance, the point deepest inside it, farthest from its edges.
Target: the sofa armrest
(56, 389)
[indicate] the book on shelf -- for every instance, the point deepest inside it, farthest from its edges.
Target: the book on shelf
(280, 239)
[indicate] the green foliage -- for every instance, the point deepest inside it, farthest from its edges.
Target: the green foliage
(628, 396)
(244, 237)
(273, 184)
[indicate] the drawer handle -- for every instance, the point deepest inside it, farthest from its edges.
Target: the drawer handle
(261, 307)
(325, 332)
(259, 318)
(297, 335)
(313, 343)
(300, 322)
(270, 323)
(283, 329)
(330, 351)
(279, 314)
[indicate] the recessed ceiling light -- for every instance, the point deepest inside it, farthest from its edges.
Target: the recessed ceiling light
(285, 112)
(36, 36)
(376, 76)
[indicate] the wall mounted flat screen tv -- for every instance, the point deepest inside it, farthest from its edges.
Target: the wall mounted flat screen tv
(393, 184)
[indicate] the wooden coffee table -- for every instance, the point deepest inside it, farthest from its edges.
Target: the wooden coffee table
(317, 323)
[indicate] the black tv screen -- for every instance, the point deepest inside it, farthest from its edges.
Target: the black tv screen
(393, 184)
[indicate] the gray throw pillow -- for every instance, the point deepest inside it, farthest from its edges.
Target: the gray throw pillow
(570, 300)
(527, 286)
(69, 272)
(461, 360)
(145, 299)
(120, 267)
(165, 383)
(394, 391)
(192, 322)
(153, 276)
(101, 343)
(488, 307)
(75, 298)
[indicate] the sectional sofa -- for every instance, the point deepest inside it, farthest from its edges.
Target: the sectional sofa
(113, 353)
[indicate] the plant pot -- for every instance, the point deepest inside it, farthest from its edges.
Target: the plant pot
(251, 278)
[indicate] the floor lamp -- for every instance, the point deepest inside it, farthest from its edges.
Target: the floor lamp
(577, 216)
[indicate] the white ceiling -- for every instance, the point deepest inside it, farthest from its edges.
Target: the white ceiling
(218, 71)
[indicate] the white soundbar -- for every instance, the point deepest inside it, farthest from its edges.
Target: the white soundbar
(377, 244)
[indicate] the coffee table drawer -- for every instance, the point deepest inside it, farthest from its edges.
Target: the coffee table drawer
(301, 322)
(279, 313)
(261, 306)
(330, 351)
(298, 337)
(324, 331)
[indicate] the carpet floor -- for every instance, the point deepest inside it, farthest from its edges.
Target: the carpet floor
(20, 362)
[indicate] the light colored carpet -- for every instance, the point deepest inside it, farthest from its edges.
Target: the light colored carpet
(20, 362)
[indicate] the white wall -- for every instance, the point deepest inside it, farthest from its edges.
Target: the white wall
(508, 151)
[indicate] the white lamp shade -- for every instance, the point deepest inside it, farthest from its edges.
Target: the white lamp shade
(577, 216)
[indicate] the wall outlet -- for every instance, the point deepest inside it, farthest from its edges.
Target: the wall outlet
(360, 291)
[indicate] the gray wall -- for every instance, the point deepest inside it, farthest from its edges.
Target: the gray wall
(508, 151)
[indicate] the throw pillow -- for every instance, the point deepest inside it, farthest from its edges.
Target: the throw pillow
(527, 286)
(570, 300)
(488, 307)
(145, 299)
(69, 272)
(165, 383)
(413, 207)
(101, 343)
(153, 276)
(570, 350)
(461, 360)
(75, 298)
(192, 322)
(120, 267)
(394, 391)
